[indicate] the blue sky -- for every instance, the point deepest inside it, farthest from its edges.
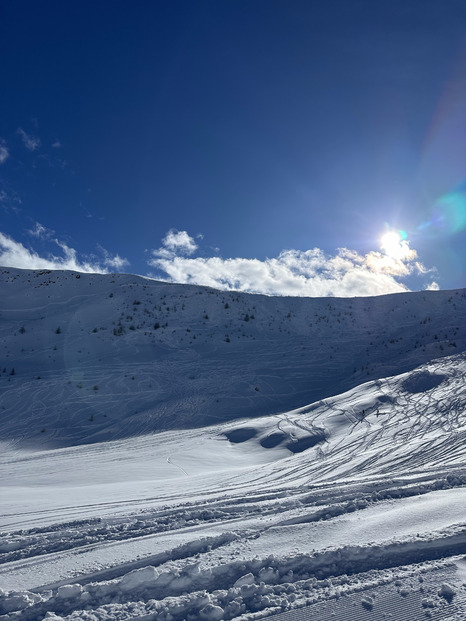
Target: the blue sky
(258, 145)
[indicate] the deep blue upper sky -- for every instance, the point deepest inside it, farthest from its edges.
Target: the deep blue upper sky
(262, 125)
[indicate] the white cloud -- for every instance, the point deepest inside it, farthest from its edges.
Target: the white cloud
(115, 262)
(433, 286)
(56, 144)
(295, 272)
(4, 153)
(312, 273)
(14, 254)
(397, 248)
(383, 264)
(421, 268)
(176, 242)
(41, 231)
(32, 143)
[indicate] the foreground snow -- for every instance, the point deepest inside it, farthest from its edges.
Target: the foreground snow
(358, 499)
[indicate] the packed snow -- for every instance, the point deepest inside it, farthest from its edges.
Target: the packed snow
(173, 452)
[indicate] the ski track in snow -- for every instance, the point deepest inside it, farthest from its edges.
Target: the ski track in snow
(352, 506)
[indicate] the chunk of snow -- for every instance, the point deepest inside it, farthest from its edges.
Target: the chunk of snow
(69, 591)
(16, 601)
(139, 578)
(244, 581)
(211, 613)
(367, 603)
(428, 602)
(447, 591)
(268, 575)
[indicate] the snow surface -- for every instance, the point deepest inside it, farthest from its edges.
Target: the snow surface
(254, 456)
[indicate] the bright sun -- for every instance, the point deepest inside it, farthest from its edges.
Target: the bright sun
(391, 244)
(395, 245)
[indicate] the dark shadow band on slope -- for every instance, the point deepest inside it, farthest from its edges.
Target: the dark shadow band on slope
(301, 444)
(386, 399)
(272, 440)
(240, 435)
(423, 381)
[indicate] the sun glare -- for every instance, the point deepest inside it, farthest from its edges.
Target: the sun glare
(395, 245)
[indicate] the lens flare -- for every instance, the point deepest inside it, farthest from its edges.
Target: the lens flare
(448, 216)
(450, 212)
(442, 162)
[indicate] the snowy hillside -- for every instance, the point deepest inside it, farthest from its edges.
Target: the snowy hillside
(309, 453)
(86, 358)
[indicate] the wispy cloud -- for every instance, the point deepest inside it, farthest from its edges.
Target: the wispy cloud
(56, 144)
(294, 272)
(114, 262)
(4, 153)
(9, 200)
(41, 231)
(15, 254)
(32, 143)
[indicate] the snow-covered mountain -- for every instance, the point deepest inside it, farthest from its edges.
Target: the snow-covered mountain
(95, 357)
(177, 453)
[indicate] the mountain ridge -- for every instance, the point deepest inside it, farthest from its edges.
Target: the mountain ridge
(93, 357)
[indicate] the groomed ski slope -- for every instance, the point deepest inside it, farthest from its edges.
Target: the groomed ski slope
(351, 507)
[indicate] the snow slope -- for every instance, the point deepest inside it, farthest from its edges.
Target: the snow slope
(100, 357)
(351, 507)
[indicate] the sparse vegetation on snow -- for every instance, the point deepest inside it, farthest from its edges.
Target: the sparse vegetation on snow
(173, 452)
